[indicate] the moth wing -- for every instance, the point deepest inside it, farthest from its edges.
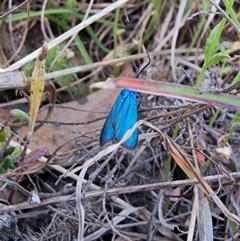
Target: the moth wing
(107, 133)
(126, 118)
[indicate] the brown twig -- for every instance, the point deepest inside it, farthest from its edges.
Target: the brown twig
(123, 190)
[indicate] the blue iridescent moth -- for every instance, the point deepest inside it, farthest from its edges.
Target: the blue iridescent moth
(121, 118)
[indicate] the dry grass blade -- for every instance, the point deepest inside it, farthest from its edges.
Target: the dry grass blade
(201, 207)
(38, 84)
(204, 217)
(185, 164)
(182, 7)
(192, 222)
(160, 212)
(81, 212)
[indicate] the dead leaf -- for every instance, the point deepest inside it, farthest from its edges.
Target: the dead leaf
(224, 151)
(98, 103)
(199, 155)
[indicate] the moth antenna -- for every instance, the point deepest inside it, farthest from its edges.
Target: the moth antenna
(148, 63)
